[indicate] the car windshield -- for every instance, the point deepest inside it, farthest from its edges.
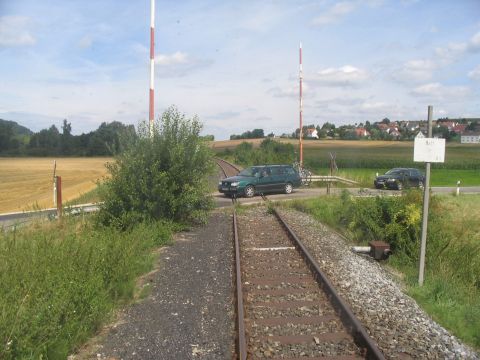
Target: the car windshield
(250, 171)
(393, 172)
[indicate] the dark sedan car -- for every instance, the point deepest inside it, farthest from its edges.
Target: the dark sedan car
(261, 179)
(400, 178)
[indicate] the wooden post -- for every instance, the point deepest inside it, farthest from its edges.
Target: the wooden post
(59, 196)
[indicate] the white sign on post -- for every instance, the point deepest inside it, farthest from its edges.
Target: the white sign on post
(429, 150)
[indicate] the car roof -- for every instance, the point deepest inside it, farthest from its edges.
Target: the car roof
(404, 169)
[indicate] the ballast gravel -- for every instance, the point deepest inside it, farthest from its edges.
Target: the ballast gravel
(189, 313)
(400, 327)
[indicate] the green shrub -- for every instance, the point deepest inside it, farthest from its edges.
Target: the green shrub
(396, 220)
(163, 177)
(269, 152)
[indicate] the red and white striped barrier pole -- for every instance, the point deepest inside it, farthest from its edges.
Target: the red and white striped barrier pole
(152, 65)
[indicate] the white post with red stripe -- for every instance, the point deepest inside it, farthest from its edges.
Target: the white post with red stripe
(301, 108)
(151, 114)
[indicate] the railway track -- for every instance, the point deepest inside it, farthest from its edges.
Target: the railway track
(227, 168)
(286, 306)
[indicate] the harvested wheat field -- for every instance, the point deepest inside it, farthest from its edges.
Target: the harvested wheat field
(27, 183)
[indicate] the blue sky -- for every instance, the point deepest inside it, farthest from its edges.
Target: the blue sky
(235, 63)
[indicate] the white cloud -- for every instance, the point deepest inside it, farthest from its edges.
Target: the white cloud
(335, 13)
(474, 43)
(438, 91)
(172, 59)
(178, 64)
(343, 76)
(291, 91)
(475, 73)
(368, 106)
(415, 70)
(453, 51)
(13, 31)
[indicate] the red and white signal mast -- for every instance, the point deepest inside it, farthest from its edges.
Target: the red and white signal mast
(300, 135)
(151, 112)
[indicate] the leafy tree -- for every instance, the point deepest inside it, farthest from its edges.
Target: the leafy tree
(46, 142)
(106, 140)
(66, 145)
(472, 126)
(328, 126)
(254, 134)
(163, 177)
(257, 134)
(6, 136)
(368, 125)
(385, 121)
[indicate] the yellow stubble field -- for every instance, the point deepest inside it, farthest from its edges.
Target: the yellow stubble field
(27, 183)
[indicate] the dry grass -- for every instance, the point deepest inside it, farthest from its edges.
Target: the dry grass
(314, 144)
(26, 183)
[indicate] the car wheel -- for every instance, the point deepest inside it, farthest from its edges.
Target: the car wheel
(249, 191)
(399, 186)
(421, 185)
(288, 188)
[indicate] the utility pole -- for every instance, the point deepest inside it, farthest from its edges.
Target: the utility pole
(152, 66)
(301, 108)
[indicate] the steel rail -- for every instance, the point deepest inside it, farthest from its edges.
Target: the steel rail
(218, 160)
(241, 343)
(241, 340)
(350, 321)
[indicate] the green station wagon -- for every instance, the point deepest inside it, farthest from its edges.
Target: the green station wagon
(261, 179)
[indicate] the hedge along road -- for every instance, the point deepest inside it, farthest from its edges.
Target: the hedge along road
(11, 219)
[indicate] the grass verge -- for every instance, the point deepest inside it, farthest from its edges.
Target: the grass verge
(59, 282)
(439, 177)
(451, 293)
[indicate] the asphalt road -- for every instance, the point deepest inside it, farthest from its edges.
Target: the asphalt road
(18, 218)
(305, 193)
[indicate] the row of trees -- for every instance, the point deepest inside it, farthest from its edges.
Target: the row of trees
(254, 134)
(105, 141)
(348, 132)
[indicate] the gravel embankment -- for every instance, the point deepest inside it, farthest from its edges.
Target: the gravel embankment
(189, 313)
(393, 319)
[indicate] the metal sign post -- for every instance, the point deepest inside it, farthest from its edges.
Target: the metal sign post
(427, 150)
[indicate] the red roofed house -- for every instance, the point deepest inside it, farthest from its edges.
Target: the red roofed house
(362, 132)
(448, 124)
(459, 128)
(312, 133)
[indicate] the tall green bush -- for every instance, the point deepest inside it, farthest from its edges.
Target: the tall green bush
(395, 220)
(269, 152)
(160, 177)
